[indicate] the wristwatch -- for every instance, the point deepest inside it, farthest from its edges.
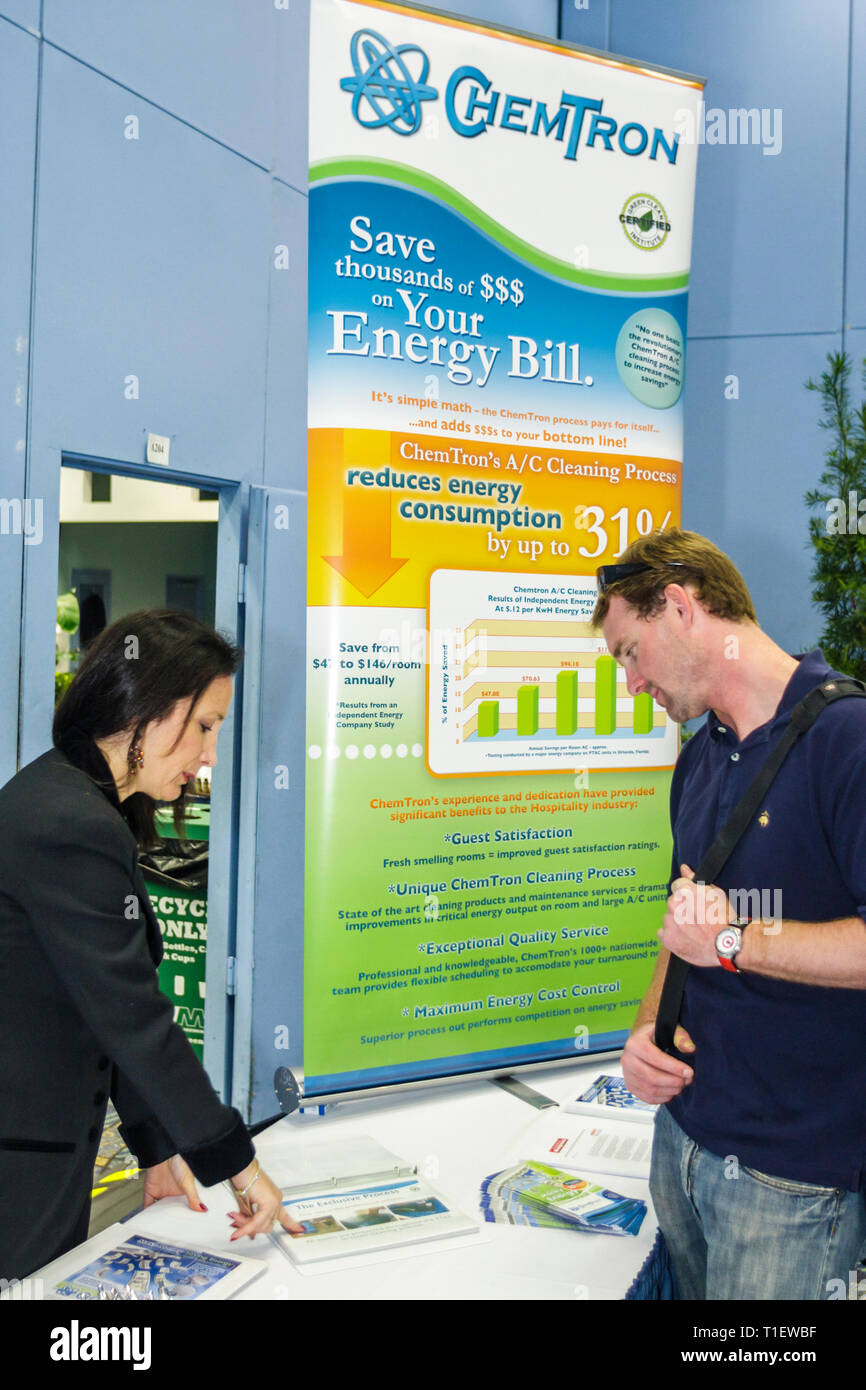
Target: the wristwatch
(729, 943)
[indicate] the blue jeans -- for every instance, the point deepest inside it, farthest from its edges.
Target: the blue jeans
(733, 1232)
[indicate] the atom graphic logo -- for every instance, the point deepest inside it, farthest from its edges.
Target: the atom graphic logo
(391, 96)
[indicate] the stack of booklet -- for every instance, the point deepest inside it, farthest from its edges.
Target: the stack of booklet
(603, 1132)
(562, 1199)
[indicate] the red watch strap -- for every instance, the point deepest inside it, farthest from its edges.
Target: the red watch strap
(728, 965)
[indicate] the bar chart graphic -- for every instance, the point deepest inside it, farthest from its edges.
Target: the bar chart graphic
(520, 681)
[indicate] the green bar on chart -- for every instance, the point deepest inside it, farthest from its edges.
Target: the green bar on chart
(566, 702)
(643, 713)
(488, 719)
(527, 709)
(605, 695)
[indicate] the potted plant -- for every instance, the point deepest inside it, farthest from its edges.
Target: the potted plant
(838, 531)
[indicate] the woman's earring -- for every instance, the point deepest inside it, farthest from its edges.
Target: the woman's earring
(135, 758)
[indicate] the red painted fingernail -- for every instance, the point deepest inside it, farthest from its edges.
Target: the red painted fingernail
(202, 1207)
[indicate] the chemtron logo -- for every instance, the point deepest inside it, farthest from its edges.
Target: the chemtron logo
(385, 92)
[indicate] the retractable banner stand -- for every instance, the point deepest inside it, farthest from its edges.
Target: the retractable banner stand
(500, 233)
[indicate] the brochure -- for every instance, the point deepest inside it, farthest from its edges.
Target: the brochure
(366, 1217)
(583, 1203)
(140, 1267)
(359, 1199)
(610, 1095)
(585, 1143)
(502, 1202)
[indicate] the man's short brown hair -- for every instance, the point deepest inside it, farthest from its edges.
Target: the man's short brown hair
(679, 557)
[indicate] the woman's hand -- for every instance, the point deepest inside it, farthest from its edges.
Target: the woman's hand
(173, 1178)
(261, 1207)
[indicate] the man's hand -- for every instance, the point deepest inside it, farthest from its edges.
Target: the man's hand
(651, 1074)
(696, 913)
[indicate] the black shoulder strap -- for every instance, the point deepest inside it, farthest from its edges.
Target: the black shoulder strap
(803, 717)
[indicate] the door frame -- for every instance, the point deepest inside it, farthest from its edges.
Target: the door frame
(36, 704)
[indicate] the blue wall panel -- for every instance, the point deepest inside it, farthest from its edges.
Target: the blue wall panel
(767, 254)
(587, 25)
(286, 425)
(748, 462)
(855, 344)
(24, 12)
(291, 114)
(210, 62)
(19, 63)
(537, 17)
(855, 287)
(151, 261)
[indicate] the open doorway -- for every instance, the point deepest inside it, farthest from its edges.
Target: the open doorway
(128, 543)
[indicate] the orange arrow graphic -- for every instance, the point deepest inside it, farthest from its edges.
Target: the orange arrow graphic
(366, 562)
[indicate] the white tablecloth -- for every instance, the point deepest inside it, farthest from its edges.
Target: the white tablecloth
(457, 1134)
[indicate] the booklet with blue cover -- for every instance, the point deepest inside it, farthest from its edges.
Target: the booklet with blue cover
(139, 1266)
(609, 1094)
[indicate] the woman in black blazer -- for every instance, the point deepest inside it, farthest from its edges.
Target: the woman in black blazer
(82, 1016)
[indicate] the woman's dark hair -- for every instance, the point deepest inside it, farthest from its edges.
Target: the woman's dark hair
(134, 672)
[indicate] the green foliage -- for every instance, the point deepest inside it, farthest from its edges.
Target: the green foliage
(838, 533)
(68, 618)
(62, 679)
(68, 613)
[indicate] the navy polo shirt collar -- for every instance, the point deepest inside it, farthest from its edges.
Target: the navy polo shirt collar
(811, 671)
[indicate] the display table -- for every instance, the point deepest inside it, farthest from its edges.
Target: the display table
(457, 1134)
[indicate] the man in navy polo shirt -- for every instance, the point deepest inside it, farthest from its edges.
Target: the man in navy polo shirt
(760, 1145)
